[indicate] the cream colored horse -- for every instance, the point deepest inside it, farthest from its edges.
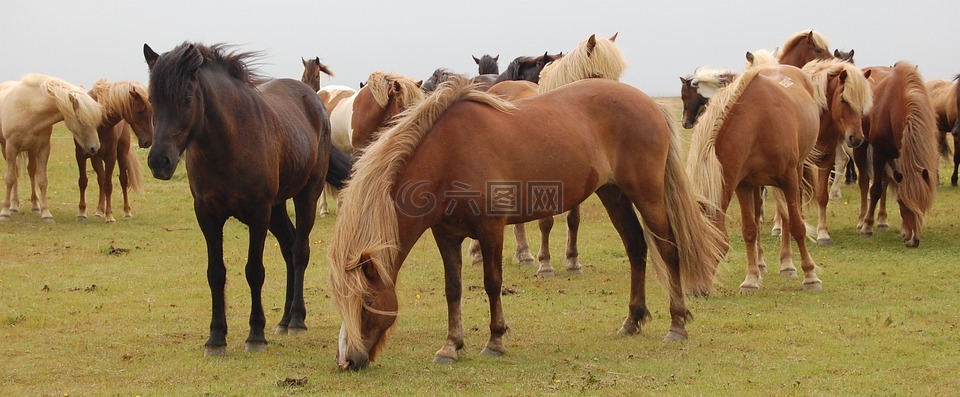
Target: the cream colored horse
(338, 100)
(28, 110)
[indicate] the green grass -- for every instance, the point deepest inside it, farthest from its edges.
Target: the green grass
(78, 320)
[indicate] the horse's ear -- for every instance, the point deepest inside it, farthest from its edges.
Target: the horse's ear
(496, 58)
(843, 76)
(867, 73)
(419, 83)
(810, 35)
(925, 174)
(591, 43)
(192, 58)
(897, 176)
(475, 59)
(139, 102)
(369, 268)
(75, 103)
(851, 53)
(397, 87)
(750, 57)
(317, 60)
(614, 37)
(150, 56)
(304, 62)
(361, 85)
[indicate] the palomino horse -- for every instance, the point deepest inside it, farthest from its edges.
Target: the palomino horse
(758, 131)
(696, 90)
(125, 105)
(251, 147)
(804, 47)
(28, 110)
(527, 68)
(944, 96)
(902, 133)
(593, 58)
(440, 165)
(487, 64)
(845, 99)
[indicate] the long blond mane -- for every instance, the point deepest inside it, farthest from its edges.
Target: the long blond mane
(703, 166)
(380, 84)
(115, 97)
(605, 60)
(87, 112)
(856, 89)
(919, 144)
(367, 223)
(819, 41)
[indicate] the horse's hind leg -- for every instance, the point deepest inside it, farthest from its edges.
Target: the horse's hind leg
(839, 173)
(956, 157)
(33, 162)
(883, 222)
(106, 185)
(323, 201)
(746, 195)
(82, 182)
(491, 244)
(305, 207)
(10, 182)
(823, 196)
(449, 247)
(98, 166)
(124, 157)
(573, 228)
(758, 209)
(523, 248)
(545, 269)
(474, 251)
(860, 158)
(39, 164)
(624, 219)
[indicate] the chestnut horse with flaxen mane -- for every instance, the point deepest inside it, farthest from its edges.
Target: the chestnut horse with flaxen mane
(434, 169)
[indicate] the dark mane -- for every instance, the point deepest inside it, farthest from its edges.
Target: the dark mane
(513, 70)
(239, 65)
(956, 78)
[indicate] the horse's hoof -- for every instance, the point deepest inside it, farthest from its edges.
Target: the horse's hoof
(674, 336)
(324, 214)
(575, 271)
(81, 218)
(748, 288)
(825, 242)
(443, 360)
(487, 351)
(629, 331)
(14, 211)
(883, 227)
(814, 286)
(866, 233)
(110, 220)
(280, 330)
(256, 347)
(48, 220)
(477, 262)
(545, 274)
(4, 218)
(775, 232)
(790, 273)
(296, 331)
(98, 214)
(217, 351)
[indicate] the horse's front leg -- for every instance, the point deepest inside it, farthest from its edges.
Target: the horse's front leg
(449, 247)
(82, 182)
(823, 192)
(10, 182)
(523, 248)
(38, 165)
(746, 195)
(106, 184)
(283, 230)
(258, 222)
(491, 244)
(545, 269)
(97, 162)
(212, 228)
(573, 228)
(861, 159)
(305, 207)
(624, 219)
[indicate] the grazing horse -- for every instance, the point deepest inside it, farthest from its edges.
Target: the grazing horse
(28, 110)
(125, 106)
(527, 68)
(845, 99)
(945, 96)
(311, 72)
(902, 133)
(383, 97)
(758, 131)
(253, 143)
(696, 90)
(487, 64)
(804, 47)
(431, 170)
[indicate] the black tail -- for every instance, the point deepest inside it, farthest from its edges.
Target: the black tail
(340, 165)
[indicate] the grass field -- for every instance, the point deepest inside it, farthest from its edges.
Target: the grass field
(123, 309)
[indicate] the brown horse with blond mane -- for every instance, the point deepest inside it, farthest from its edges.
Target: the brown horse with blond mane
(440, 168)
(383, 97)
(945, 96)
(804, 47)
(902, 133)
(125, 106)
(758, 131)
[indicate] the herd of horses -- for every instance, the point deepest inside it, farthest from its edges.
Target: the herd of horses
(412, 156)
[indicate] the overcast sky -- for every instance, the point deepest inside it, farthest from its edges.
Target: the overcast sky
(81, 41)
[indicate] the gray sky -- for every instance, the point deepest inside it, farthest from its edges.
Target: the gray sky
(81, 40)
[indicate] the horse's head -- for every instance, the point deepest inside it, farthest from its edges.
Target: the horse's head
(178, 105)
(804, 47)
(127, 100)
(693, 102)
(487, 64)
(141, 117)
(429, 85)
(83, 120)
(846, 56)
(849, 99)
(311, 72)
(365, 293)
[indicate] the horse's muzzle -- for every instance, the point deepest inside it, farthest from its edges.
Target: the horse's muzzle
(853, 141)
(162, 166)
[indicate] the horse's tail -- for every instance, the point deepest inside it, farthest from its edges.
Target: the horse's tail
(134, 171)
(700, 244)
(339, 170)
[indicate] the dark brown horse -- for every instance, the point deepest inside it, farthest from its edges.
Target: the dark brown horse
(441, 165)
(902, 134)
(252, 144)
(487, 64)
(759, 131)
(696, 90)
(125, 106)
(527, 68)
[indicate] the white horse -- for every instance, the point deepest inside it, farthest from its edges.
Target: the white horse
(338, 100)
(28, 110)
